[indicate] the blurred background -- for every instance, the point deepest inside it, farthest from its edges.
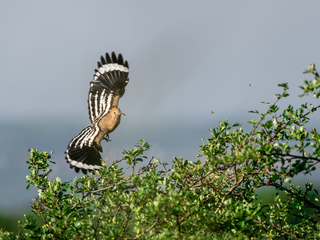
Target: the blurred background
(187, 59)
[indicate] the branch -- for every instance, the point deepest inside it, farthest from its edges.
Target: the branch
(279, 229)
(294, 121)
(262, 119)
(228, 193)
(116, 184)
(296, 156)
(151, 227)
(98, 222)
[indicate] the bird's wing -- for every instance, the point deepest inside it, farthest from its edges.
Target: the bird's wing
(108, 86)
(82, 152)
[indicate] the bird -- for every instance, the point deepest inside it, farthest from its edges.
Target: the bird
(107, 87)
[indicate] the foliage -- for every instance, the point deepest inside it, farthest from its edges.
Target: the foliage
(211, 199)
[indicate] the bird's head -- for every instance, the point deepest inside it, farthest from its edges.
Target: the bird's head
(116, 112)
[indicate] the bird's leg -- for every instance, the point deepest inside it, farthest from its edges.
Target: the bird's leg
(106, 137)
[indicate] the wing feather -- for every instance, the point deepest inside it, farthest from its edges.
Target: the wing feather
(82, 152)
(109, 81)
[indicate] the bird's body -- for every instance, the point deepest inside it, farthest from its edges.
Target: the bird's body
(107, 124)
(108, 87)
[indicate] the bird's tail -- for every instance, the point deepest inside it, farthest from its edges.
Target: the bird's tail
(83, 152)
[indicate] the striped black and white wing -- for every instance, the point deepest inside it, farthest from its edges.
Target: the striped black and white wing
(82, 152)
(108, 85)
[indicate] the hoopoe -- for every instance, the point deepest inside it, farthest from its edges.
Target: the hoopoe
(107, 87)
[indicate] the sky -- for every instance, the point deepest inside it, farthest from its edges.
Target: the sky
(186, 60)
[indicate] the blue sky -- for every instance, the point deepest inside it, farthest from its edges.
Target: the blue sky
(186, 59)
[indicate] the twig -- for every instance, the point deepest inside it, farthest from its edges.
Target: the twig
(98, 222)
(279, 229)
(262, 119)
(116, 184)
(228, 193)
(151, 227)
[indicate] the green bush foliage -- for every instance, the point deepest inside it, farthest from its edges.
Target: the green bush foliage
(211, 199)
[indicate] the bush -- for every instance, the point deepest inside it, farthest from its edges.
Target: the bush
(213, 199)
